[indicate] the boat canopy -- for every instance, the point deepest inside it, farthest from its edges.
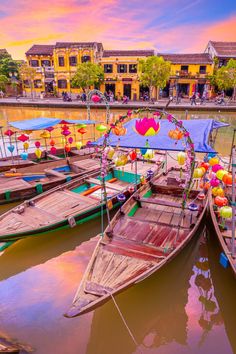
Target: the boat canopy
(199, 130)
(43, 123)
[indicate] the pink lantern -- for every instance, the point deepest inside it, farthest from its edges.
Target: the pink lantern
(217, 167)
(70, 140)
(53, 150)
(37, 144)
(147, 126)
(65, 132)
(95, 98)
(214, 182)
(23, 138)
(9, 132)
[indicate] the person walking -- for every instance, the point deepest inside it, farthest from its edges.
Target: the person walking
(193, 99)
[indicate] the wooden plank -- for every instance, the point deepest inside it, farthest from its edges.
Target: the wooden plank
(160, 202)
(96, 289)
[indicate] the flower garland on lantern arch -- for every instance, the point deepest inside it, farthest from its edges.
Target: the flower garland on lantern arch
(181, 134)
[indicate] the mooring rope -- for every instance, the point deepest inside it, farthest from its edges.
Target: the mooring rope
(125, 323)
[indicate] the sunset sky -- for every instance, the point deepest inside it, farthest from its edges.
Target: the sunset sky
(166, 26)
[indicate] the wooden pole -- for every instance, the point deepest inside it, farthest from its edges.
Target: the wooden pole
(233, 200)
(232, 145)
(3, 142)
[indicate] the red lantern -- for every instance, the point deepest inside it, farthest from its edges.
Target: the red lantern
(37, 144)
(53, 150)
(133, 155)
(205, 165)
(67, 148)
(95, 98)
(65, 127)
(221, 201)
(8, 132)
(52, 142)
(227, 179)
(49, 129)
(82, 131)
(23, 138)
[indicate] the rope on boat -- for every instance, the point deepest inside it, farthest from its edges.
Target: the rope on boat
(125, 323)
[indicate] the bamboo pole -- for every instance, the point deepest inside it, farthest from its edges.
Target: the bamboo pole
(232, 145)
(233, 201)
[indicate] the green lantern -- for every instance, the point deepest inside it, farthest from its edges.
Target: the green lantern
(101, 128)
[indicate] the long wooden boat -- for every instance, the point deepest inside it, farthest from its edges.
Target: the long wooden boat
(148, 231)
(224, 236)
(68, 204)
(28, 182)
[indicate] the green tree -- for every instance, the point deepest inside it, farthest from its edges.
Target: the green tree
(28, 73)
(155, 72)
(3, 82)
(226, 77)
(8, 67)
(87, 74)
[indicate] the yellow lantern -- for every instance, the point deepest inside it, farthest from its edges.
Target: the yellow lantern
(26, 146)
(213, 161)
(78, 145)
(198, 172)
(38, 153)
(45, 134)
(121, 160)
(110, 152)
(220, 174)
(218, 191)
(149, 154)
(226, 212)
(181, 158)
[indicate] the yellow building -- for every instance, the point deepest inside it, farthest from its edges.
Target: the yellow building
(66, 58)
(40, 57)
(188, 74)
(121, 72)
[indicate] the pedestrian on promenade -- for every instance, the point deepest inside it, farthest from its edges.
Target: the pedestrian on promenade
(193, 99)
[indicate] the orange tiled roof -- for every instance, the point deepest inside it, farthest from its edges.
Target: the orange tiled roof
(78, 45)
(196, 58)
(225, 49)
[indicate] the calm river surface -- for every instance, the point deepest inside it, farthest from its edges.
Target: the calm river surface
(187, 308)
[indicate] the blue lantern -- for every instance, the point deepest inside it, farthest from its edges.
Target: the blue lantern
(150, 174)
(11, 148)
(24, 155)
(121, 198)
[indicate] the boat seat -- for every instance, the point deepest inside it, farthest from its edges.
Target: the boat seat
(96, 289)
(159, 202)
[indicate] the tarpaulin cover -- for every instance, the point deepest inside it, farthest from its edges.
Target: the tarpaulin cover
(199, 130)
(43, 123)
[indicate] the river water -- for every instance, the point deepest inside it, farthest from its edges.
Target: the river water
(188, 307)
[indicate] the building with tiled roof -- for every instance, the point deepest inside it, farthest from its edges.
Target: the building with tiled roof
(40, 49)
(4, 52)
(126, 53)
(196, 58)
(223, 51)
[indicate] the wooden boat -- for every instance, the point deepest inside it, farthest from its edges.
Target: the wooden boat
(224, 236)
(148, 231)
(67, 205)
(28, 182)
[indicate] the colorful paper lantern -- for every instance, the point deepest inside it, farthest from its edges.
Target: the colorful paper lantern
(143, 151)
(38, 153)
(24, 155)
(217, 167)
(147, 127)
(181, 158)
(119, 129)
(66, 132)
(70, 140)
(65, 127)
(82, 131)
(95, 98)
(53, 150)
(213, 161)
(52, 142)
(226, 212)
(81, 125)
(214, 182)
(101, 128)
(78, 145)
(205, 165)
(133, 155)
(176, 134)
(67, 148)
(121, 160)
(218, 191)
(109, 151)
(37, 144)
(227, 179)
(198, 172)
(220, 201)
(149, 154)
(49, 129)
(45, 135)
(23, 138)
(220, 174)
(26, 146)
(8, 132)
(11, 148)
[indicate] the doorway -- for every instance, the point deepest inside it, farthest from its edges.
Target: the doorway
(127, 90)
(110, 88)
(183, 89)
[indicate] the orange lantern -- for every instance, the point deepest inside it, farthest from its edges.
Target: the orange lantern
(227, 179)
(82, 131)
(176, 134)
(67, 148)
(119, 129)
(221, 201)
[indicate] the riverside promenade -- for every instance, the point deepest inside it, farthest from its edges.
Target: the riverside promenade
(161, 104)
